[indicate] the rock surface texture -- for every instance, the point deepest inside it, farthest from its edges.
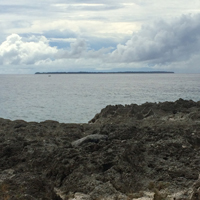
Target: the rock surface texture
(148, 151)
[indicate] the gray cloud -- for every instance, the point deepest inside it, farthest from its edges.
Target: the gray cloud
(66, 33)
(163, 42)
(45, 7)
(95, 8)
(15, 8)
(78, 48)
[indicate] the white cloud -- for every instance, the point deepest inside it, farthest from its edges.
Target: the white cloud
(36, 50)
(16, 51)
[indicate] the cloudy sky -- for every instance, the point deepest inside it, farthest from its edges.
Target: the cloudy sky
(128, 35)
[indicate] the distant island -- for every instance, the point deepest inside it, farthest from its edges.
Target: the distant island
(120, 72)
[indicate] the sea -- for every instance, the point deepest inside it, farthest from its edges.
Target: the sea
(77, 98)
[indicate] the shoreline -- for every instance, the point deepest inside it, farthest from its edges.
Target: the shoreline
(134, 151)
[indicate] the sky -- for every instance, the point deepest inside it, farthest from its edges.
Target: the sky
(91, 35)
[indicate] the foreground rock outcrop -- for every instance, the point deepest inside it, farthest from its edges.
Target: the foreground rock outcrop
(148, 151)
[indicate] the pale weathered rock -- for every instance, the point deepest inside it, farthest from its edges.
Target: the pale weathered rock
(89, 138)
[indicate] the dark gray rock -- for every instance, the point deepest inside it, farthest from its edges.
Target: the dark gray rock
(123, 150)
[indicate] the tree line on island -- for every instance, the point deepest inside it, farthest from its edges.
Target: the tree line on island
(120, 72)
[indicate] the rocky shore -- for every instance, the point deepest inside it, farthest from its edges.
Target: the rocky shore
(148, 151)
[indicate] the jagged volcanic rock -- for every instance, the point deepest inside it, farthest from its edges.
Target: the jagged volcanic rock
(150, 147)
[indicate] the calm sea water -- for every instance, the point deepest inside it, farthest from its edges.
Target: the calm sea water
(77, 98)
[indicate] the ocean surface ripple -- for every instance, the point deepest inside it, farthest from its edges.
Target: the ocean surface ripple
(76, 98)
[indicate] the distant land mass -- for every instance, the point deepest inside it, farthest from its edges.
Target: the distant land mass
(120, 72)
